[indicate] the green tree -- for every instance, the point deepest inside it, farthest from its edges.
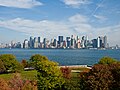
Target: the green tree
(49, 75)
(36, 58)
(107, 60)
(11, 63)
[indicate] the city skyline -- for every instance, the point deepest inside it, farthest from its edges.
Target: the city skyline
(71, 42)
(20, 19)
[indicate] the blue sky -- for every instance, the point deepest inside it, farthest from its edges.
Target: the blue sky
(20, 19)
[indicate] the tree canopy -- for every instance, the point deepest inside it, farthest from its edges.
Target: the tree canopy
(102, 76)
(36, 58)
(48, 73)
(10, 62)
(107, 60)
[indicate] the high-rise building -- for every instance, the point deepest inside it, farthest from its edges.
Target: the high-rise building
(38, 39)
(94, 43)
(55, 43)
(45, 42)
(26, 44)
(78, 44)
(39, 42)
(35, 42)
(31, 42)
(68, 42)
(105, 41)
(99, 42)
(72, 41)
(60, 39)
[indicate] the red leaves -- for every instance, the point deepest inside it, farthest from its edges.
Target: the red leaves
(66, 71)
(17, 83)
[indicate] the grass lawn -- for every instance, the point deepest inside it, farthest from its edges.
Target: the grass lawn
(29, 75)
(32, 75)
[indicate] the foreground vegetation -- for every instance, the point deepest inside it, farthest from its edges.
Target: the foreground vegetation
(49, 76)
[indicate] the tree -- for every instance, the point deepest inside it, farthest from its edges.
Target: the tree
(4, 85)
(115, 70)
(17, 83)
(24, 63)
(49, 75)
(36, 58)
(11, 63)
(66, 71)
(107, 60)
(2, 67)
(99, 78)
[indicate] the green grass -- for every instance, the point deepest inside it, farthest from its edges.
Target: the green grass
(29, 75)
(32, 75)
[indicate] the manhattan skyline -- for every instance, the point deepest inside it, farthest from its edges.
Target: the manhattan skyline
(20, 19)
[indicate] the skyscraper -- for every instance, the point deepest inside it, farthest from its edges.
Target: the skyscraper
(38, 39)
(35, 42)
(45, 42)
(105, 41)
(68, 42)
(72, 41)
(26, 44)
(31, 42)
(60, 41)
(94, 43)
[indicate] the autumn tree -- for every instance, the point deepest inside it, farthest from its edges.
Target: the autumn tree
(24, 63)
(4, 85)
(17, 83)
(66, 71)
(115, 70)
(99, 78)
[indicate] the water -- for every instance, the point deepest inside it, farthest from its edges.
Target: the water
(65, 56)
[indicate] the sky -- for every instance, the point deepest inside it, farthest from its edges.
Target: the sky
(20, 19)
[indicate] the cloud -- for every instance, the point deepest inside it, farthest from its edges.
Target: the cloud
(80, 24)
(43, 28)
(112, 32)
(101, 18)
(20, 3)
(78, 19)
(76, 25)
(76, 3)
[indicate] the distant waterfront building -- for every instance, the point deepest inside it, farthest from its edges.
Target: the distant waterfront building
(26, 44)
(18, 45)
(12, 44)
(72, 41)
(35, 42)
(98, 42)
(60, 41)
(94, 43)
(55, 43)
(38, 39)
(31, 42)
(105, 42)
(45, 42)
(68, 42)
(78, 45)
